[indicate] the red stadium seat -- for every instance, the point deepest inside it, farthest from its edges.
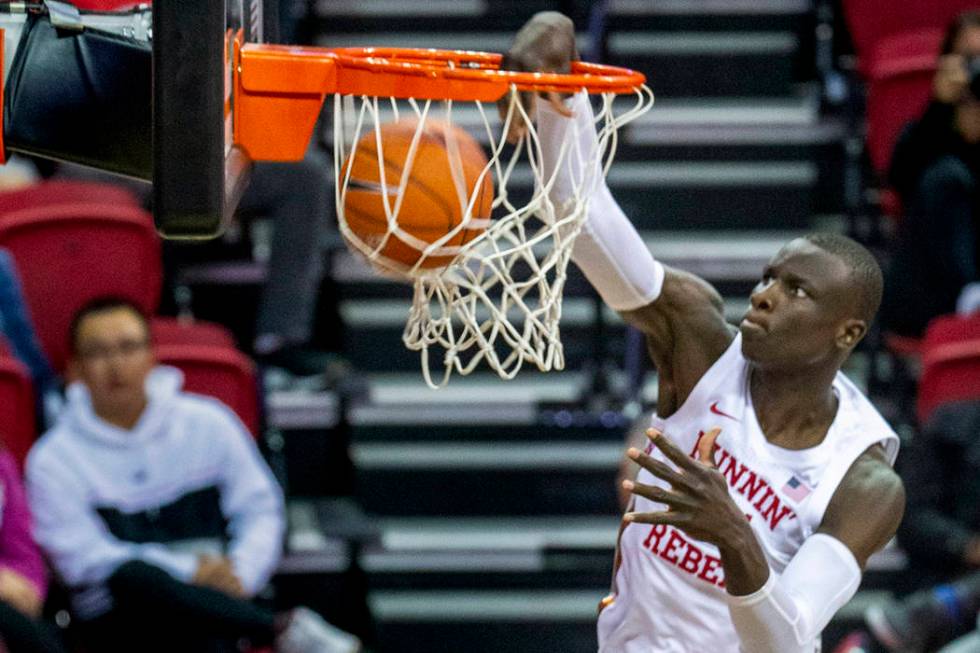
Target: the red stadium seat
(18, 425)
(870, 21)
(950, 363)
(64, 191)
(68, 254)
(899, 84)
(174, 331)
(220, 372)
(106, 5)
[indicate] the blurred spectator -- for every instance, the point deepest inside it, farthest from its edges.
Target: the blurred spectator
(935, 171)
(297, 198)
(23, 580)
(940, 534)
(156, 508)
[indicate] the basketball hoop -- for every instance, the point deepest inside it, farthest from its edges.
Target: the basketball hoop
(499, 300)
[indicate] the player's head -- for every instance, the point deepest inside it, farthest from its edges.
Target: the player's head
(817, 297)
(111, 352)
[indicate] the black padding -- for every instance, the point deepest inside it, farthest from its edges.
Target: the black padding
(188, 130)
(83, 97)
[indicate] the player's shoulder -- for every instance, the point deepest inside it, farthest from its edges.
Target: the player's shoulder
(868, 505)
(870, 485)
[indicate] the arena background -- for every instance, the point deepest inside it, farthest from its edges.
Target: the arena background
(482, 517)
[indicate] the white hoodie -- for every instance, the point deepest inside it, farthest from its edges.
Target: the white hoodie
(186, 479)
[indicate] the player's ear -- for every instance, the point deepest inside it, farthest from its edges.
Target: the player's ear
(850, 333)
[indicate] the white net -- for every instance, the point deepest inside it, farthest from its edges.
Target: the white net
(488, 282)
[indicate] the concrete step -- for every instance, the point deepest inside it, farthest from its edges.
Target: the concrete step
(733, 261)
(461, 15)
(709, 64)
(375, 326)
(454, 478)
(333, 16)
(707, 15)
(507, 621)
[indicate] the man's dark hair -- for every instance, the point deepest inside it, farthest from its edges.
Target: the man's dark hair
(865, 271)
(969, 18)
(101, 305)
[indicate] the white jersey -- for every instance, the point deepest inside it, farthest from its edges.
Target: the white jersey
(669, 588)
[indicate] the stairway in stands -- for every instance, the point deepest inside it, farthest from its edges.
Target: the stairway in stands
(495, 500)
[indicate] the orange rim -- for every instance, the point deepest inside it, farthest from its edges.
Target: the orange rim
(465, 65)
(279, 89)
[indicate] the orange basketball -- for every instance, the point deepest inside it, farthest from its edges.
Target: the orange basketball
(434, 202)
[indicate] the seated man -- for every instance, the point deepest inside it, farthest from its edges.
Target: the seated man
(935, 171)
(156, 508)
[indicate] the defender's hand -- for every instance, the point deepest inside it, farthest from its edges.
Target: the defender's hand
(546, 44)
(698, 502)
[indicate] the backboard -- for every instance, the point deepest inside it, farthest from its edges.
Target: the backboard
(198, 173)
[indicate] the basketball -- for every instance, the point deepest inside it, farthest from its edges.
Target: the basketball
(435, 199)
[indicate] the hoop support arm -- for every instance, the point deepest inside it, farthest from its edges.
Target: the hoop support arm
(278, 95)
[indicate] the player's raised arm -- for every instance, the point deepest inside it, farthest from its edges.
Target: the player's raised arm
(681, 315)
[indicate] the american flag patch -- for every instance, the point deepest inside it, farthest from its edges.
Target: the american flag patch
(796, 489)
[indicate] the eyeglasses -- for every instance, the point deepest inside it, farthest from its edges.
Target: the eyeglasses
(101, 352)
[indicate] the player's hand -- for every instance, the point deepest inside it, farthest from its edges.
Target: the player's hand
(19, 592)
(951, 80)
(698, 502)
(545, 44)
(218, 574)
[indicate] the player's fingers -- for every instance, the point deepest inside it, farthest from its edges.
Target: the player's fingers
(706, 447)
(668, 517)
(658, 468)
(658, 494)
(669, 449)
(519, 108)
(557, 103)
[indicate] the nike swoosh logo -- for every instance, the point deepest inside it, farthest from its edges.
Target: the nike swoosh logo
(714, 409)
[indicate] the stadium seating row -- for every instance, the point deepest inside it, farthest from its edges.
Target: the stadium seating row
(73, 241)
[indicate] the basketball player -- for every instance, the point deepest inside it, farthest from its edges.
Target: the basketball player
(767, 483)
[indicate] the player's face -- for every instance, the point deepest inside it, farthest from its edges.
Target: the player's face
(112, 358)
(800, 309)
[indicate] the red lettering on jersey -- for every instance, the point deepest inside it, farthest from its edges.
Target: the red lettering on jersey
(691, 560)
(775, 513)
(753, 485)
(670, 545)
(697, 442)
(675, 543)
(734, 471)
(712, 571)
(653, 539)
(758, 505)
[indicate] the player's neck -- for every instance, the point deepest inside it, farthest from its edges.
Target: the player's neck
(796, 409)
